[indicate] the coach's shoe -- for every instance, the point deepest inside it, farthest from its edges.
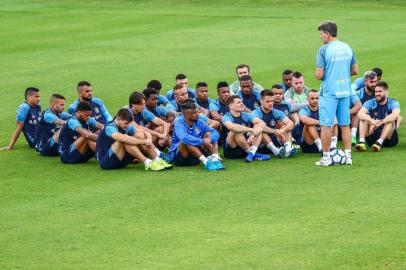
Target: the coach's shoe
(165, 164)
(376, 147)
(324, 162)
(360, 147)
(165, 157)
(263, 157)
(211, 166)
(348, 161)
(353, 140)
(154, 166)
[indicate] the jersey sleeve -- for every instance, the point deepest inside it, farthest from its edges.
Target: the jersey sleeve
(169, 94)
(354, 99)
(214, 135)
(92, 122)
(204, 118)
(248, 117)
(64, 115)
(304, 112)
(353, 59)
(162, 111)
(184, 137)
(213, 106)
(110, 129)
(162, 99)
(321, 61)
(72, 107)
(49, 117)
(226, 118)
(170, 107)
(73, 123)
(394, 104)
(369, 104)
(257, 113)
(22, 112)
(130, 130)
(279, 115)
(104, 110)
(148, 115)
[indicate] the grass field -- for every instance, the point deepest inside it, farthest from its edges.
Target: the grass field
(282, 214)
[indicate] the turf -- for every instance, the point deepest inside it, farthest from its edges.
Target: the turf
(282, 214)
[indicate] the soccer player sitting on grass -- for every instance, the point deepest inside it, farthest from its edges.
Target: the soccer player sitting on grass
(52, 119)
(278, 126)
(242, 70)
(368, 91)
(241, 140)
(378, 118)
(157, 86)
(77, 143)
(359, 83)
(307, 133)
(183, 80)
(249, 96)
(286, 80)
(219, 107)
(202, 96)
(118, 145)
(152, 104)
(296, 96)
(28, 116)
(193, 140)
(278, 102)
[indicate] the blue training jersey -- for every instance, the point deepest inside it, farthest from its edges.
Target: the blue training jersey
(309, 113)
(270, 118)
(47, 127)
(99, 111)
(104, 141)
(191, 94)
(250, 101)
(219, 107)
(357, 84)
(30, 116)
(377, 111)
(364, 97)
(336, 59)
(285, 107)
(162, 100)
(205, 104)
(159, 111)
(354, 99)
(143, 118)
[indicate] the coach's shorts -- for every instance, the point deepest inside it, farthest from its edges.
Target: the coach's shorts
(190, 160)
(72, 155)
(49, 149)
(110, 161)
(233, 153)
(309, 148)
(393, 141)
(331, 108)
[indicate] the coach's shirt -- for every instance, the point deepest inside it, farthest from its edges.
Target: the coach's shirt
(190, 135)
(30, 116)
(251, 101)
(270, 118)
(99, 111)
(336, 58)
(218, 106)
(144, 117)
(284, 107)
(191, 94)
(68, 134)
(47, 127)
(377, 111)
(364, 97)
(309, 113)
(104, 140)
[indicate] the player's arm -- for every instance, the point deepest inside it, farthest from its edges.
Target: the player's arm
(181, 132)
(236, 127)
(319, 73)
(287, 125)
(215, 115)
(14, 137)
(259, 126)
(204, 111)
(166, 126)
(391, 117)
(354, 69)
(124, 138)
(308, 121)
(86, 133)
(364, 116)
(213, 123)
(355, 109)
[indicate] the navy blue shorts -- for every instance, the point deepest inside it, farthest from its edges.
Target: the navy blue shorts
(72, 155)
(50, 149)
(233, 153)
(110, 161)
(393, 141)
(297, 132)
(309, 148)
(179, 160)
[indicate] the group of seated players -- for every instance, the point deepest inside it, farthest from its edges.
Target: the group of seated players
(185, 127)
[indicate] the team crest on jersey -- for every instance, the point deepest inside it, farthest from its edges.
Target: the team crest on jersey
(256, 105)
(96, 110)
(197, 130)
(272, 123)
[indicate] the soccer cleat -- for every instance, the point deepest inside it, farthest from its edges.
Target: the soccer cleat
(211, 166)
(353, 140)
(219, 165)
(165, 164)
(376, 147)
(165, 157)
(281, 153)
(250, 157)
(263, 157)
(154, 166)
(293, 152)
(360, 147)
(324, 162)
(348, 161)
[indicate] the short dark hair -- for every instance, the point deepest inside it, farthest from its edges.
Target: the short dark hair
(328, 27)
(201, 84)
(149, 91)
(178, 86)
(369, 75)
(242, 66)
(135, 98)
(231, 99)
(180, 76)
(297, 75)
(266, 93)
(222, 84)
(154, 84)
(125, 114)
(84, 106)
(382, 84)
(30, 91)
(277, 86)
(287, 72)
(83, 83)
(188, 105)
(245, 78)
(312, 91)
(56, 97)
(378, 71)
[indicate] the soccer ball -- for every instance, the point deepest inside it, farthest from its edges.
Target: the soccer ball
(338, 157)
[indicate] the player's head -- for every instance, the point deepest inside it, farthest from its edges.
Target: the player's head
(381, 91)
(202, 91)
(180, 93)
(266, 100)
(235, 104)
(155, 84)
(182, 79)
(57, 103)
(123, 118)
(189, 110)
(151, 98)
(32, 96)
(136, 102)
(298, 81)
(84, 90)
(370, 80)
(287, 77)
(83, 111)
(328, 31)
(246, 84)
(378, 72)
(223, 91)
(313, 98)
(277, 91)
(242, 69)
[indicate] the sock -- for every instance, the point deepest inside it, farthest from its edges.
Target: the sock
(347, 153)
(158, 153)
(273, 148)
(318, 143)
(361, 140)
(380, 141)
(203, 159)
(147, 161)
(288, 147)
(156, 158)
(215, 157)
(326, 155)
(333, 142)
(354, 132)
(253, 149)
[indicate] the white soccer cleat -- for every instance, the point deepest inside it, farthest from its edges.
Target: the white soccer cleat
(324, 162)
(348, 161)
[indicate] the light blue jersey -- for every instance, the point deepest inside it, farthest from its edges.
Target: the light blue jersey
(336, 59)
(358, 84)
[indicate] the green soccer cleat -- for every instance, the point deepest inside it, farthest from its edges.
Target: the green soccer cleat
(154, 166)
(165, 164)
(353, 140)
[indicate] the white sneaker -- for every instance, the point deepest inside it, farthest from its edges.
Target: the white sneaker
(348, 161)
(324, 162)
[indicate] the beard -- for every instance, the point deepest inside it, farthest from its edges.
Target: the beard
(88, 99)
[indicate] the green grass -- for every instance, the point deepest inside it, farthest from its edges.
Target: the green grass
(282, 214)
